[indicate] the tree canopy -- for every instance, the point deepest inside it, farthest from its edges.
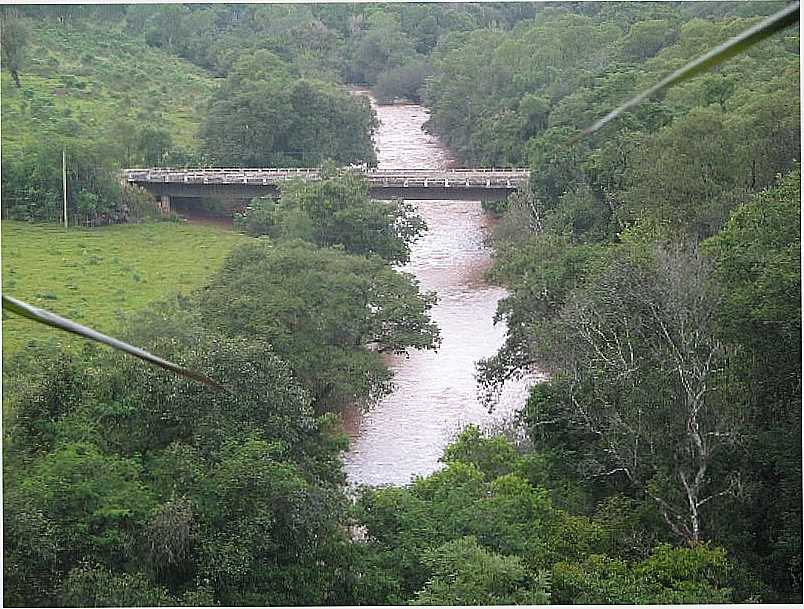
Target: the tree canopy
(320, 309)
(265, 116)
(336, 211)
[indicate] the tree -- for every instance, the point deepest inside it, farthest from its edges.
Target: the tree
(405, 81)
(246, 124)
(686, 176)
(166, 26)
(465, 573)
(483, 530)
(646, 38)
(32, 185)
(94, 515)
(757, 255)
(329, 123)
(669, 576)
(382, 47)
(336, 212)
(649, 379)
(535, 109)
(13, 43)
(543, 270)
(267, 528)
(264, 115)
(153, 144)
(757, 260)
(100, 587)
(559, 166)
(137, 485)
(329, 314)
(31, 552)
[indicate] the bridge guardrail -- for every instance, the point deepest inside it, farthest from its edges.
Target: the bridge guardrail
(508, 178)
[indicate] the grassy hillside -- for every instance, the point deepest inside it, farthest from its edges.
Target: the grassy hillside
(95, 276)
(83, 77)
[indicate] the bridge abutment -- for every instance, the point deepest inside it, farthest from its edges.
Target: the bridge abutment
(164, 204)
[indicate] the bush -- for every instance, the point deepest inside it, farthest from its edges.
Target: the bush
(465, 573)
(258, 218)
(138, 204)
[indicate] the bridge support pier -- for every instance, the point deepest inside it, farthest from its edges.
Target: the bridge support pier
(164, 204)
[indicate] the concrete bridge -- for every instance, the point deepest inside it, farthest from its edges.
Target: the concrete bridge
(242, 185)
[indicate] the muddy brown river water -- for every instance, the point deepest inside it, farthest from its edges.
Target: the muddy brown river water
(436, 392)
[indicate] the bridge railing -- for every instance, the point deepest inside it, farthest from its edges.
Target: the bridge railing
(309, 170)
(466, 177)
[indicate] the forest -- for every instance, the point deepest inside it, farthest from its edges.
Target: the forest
(653, 272)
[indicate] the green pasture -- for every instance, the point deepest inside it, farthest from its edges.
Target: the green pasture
(97, 276)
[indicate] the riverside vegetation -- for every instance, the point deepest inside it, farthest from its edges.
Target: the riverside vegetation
(653, 269)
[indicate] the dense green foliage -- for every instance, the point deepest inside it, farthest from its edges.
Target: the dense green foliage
(33, 188)
(13, 42)
(653, 271)
(232, 487)
(336, 212)
(643, 372)
(484, 530)
(403, 82)
(318, 286)
(264, 115)
(320, 309)
(675, 360)
(509, 98)
(353, 43)
(757, 261)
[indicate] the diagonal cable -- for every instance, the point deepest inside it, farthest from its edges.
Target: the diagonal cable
(51, 319)
(775, 23)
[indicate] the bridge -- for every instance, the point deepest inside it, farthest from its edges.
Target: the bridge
(240, 185)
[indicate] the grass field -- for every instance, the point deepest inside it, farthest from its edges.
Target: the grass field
(95, 276)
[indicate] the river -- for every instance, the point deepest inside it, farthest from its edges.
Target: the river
(436, 392)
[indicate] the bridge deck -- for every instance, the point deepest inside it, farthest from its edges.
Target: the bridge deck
(378, 178)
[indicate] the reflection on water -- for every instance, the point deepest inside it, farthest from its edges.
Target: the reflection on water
(436, 392)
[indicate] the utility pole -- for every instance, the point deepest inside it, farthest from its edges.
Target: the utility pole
(64, 181)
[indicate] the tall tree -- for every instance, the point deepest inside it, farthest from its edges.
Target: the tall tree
(13, 42)
(757, 260)
(651, 383)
